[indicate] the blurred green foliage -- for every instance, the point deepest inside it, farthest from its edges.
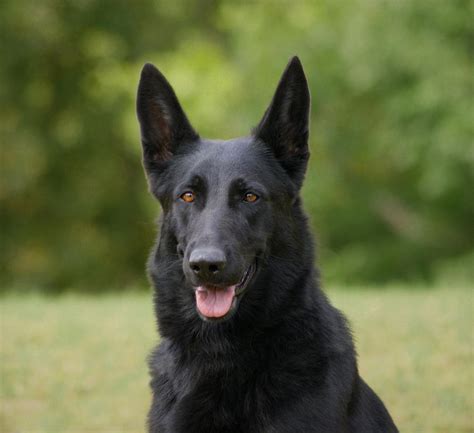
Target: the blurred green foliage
(389, 189)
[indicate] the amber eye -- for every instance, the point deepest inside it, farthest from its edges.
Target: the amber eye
(188, 197)
(250, 197)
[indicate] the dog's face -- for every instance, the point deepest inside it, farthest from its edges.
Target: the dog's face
(219, 198)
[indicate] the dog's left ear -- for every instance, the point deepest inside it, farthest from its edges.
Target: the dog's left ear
(163, 123)
(284, 126)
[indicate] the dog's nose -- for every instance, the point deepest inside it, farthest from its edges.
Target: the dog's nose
(206, 263)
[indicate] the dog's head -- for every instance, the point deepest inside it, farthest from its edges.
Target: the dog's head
(220, 198)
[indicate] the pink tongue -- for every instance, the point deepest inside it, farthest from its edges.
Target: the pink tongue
(214, 302)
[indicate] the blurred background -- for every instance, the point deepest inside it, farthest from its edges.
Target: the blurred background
(389, 189)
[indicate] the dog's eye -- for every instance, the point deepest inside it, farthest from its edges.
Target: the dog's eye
(250, 197)
(187, 196)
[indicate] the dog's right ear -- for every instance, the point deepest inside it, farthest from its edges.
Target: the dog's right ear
(163, 123)
(284, 127)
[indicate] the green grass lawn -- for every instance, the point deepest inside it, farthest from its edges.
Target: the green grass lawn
(77, 363)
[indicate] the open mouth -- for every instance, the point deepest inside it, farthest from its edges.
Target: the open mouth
(215, 303)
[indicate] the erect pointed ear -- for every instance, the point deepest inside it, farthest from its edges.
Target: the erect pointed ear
(284, 126)
(164, 126)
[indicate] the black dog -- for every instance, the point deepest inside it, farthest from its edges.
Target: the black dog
(249, 343)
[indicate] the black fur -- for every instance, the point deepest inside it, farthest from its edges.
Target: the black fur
(282, 360)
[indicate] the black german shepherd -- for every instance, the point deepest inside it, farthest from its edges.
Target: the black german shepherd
(249, 342)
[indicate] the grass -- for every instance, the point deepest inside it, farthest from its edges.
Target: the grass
(77, 363)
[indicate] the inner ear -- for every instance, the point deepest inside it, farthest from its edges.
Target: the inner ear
(163, 123)
(158, 131)
(285, 125)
